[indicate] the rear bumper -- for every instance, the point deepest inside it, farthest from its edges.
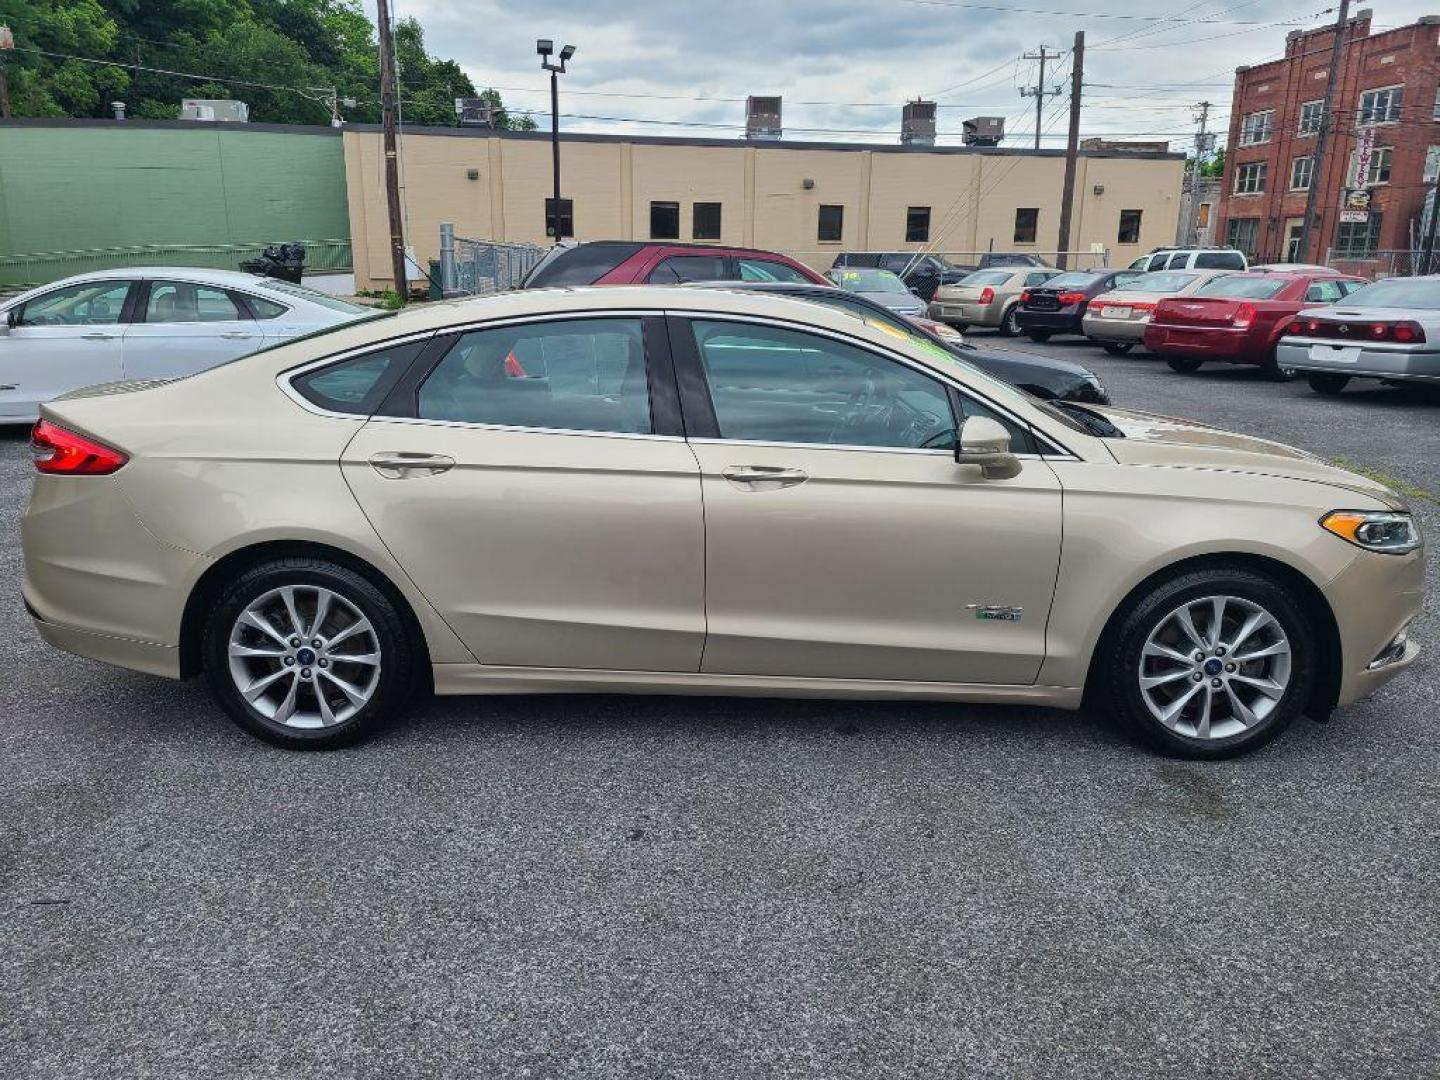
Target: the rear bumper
(1419, 363)
(962, 311)
(1124, 330)
(1209, 343)
(147, 656)
(1064, 321)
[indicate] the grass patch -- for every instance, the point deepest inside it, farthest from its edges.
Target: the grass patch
(1394, 483)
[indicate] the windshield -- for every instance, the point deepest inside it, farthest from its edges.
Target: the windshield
(987, 277)
(1246, 288)
(1169, 281)
(1398, 293)
(1072, 281)
(334, 303)
(863, 280)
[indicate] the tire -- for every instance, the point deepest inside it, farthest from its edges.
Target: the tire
(1273, 371)
(1287, 669)
(1038, 336)
(1010, 321)
(1185, 365)
(334, 698)
(960, 326)
(1322, 382)
(1117, 348)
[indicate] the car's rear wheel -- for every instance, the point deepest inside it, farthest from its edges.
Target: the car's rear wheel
(1038, 336)
(1322, 382)
(1211, 663)
(1117, 348)
(1010, 321)
(307, 654)
(1186, 365)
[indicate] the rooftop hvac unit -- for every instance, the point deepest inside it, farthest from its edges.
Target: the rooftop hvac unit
(984, 131)
(474, 112)
(762, 118)
(216, 110)
(917, 123)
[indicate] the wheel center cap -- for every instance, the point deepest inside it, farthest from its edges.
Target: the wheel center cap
(306, 657)
(1213, 667)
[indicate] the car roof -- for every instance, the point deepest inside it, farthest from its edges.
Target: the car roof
(235, 278)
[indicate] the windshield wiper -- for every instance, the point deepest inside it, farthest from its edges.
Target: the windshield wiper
(1091, 421)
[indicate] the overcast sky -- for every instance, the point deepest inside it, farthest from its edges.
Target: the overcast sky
(857, 60)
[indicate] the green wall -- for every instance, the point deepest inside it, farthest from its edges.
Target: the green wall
(68, 187)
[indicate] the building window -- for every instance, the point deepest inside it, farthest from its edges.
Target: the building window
(1203, 221)
(1377, 173)
(832, 224)
(1129, 227)
(566, 226)
(1310, 114)
(1432, 164)
(1250, 179)
(1435, 113)
(1300, 170)
(1027, 220)
(917, 225)
(664, 221)
(1256, 127)
(705, 223)
(1357, 239)
(1241, 234)
(1381, 106)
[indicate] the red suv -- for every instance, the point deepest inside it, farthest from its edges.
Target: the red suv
(624, 262)
(1238, 318)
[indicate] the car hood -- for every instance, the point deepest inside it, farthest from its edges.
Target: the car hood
(1151, 439)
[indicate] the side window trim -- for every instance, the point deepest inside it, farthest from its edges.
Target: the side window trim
(286, 378)
(127, 306)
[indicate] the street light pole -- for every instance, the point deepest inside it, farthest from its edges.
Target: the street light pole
(545, 47)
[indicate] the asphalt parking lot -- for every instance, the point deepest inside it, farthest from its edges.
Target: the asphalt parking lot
(648, 887)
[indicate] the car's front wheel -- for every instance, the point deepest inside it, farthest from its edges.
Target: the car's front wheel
(1010, 322)
(1322, 382)
(307, 654)
(1185, 365)
(1211, 663)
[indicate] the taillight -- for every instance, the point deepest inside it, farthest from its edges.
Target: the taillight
(987, 295)
(63, 452)
(1244, 316)
(1140, 305)
(1068, 298)
(1025, 296)
(1407, 332)
(1294, 326)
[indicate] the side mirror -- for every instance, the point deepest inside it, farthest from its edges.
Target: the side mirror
(986, 443)
(12, 320)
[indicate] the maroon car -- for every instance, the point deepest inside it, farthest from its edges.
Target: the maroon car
(624, 262)
(1238, 318)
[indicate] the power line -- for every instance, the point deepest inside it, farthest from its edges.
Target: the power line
(1073, 14)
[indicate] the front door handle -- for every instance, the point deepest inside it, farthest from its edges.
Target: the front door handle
(238, 337)
(98, 337)
(398, 464)
(764, 477)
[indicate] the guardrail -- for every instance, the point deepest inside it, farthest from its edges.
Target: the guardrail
(40, 267)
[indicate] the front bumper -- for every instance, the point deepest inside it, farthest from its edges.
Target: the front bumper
(1123, 330)
(1413, 363)
(1374, 599)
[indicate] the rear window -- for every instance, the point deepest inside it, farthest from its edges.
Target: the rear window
(1072, 281)
(987, 277)
(1163, 282)
(1220, 260)
(1423, 293)
(1247, 288)
(582, 265)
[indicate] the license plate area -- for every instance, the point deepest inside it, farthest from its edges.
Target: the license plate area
(1335, 354)
(1109, 312)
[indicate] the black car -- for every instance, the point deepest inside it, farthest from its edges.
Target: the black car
(1051, 379)
(1058, 306)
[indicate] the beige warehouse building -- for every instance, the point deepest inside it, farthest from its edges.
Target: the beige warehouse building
(809, 200)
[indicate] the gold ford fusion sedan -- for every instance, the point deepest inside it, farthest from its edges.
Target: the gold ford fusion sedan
(643, 490)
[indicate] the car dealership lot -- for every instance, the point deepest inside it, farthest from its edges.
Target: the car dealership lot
(707, 887)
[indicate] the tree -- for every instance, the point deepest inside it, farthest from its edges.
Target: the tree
(1215, 166)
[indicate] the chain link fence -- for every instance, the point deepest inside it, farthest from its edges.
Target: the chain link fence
(962, 260)
(1402, 262)
(39, 268)
(481, 267)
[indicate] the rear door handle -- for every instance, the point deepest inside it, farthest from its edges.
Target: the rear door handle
(764, 477)
(398, 464)
(98, 337)
(238, 337)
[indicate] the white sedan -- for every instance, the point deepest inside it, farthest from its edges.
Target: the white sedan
(147, 322)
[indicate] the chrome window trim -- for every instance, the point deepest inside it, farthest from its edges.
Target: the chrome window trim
(283, 378)
(852, 448)
(522, 429)
(941, 377)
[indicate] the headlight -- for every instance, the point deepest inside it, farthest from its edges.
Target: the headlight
(1374, 530)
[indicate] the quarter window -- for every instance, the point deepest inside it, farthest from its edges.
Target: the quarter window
(96, 303)
(831, 225)
(678, 268)
(1129, 227)
(1027, 221)
(664, 221)
(1256, 127)
(1311, 113)
(358, 384)
(571, 375)
(917, 225)
(705, 221)
(182, 302)
(1324, 292)
(1250, 179)
(1300, 170)
(1381, 106)
(264, 309)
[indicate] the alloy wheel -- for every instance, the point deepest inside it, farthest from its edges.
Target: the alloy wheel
(304, 657)
(1215, 667)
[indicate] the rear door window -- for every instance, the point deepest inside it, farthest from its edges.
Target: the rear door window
(681, 268)
(769, 270)
(186, 302)
(1323, 292)
(1177, 261)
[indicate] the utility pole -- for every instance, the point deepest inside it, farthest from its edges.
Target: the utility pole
(1039, 91)
(1072, 147)
(1317, 170)
(392, 159)
(7, 42)
(1202, 147)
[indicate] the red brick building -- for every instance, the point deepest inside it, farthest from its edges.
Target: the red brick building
(1387, 81)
